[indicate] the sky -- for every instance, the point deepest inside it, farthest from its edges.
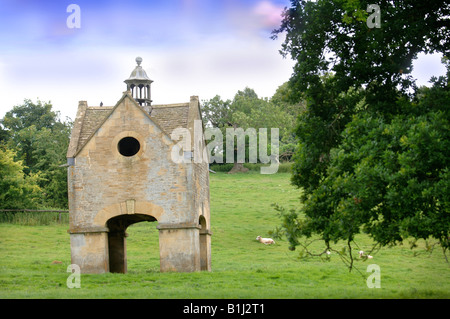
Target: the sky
(188, 47)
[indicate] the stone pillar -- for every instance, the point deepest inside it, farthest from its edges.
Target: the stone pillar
(179, 248)
(89, 250)
(117, 248)
(205, 250)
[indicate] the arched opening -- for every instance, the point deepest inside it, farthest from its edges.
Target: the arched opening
(141, 95)
(204, 262)
(117, 235)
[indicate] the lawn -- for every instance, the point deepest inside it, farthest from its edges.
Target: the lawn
(241, 266)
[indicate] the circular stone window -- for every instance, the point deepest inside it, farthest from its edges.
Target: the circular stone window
(128, 146)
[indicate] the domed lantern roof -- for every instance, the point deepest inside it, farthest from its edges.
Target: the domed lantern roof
(138, 72)
(139, 84)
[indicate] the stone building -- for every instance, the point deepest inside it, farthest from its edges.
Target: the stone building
(120, 172)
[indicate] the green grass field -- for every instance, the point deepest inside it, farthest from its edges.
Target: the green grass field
(241, 266)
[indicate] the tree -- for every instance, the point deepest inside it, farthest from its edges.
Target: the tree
(366, 124)
(39, 114)
(17, 190)
(245, 111)
(49, 154)
(216, 112)
(282, 98)
(325, 36)
(39, 139)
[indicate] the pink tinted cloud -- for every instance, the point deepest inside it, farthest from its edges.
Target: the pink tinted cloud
(268, 14)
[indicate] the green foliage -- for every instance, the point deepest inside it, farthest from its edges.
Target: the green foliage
(216, 112)
(247, 110)
(372, 147)
(319, 129)
(39, 114)
(17, 190)
(388, 178)
(40, 140)
(324, 36)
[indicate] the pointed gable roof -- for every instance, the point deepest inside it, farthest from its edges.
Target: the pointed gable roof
(89, 119)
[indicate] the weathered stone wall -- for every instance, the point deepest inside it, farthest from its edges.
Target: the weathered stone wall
(102, 176)
(104, 184)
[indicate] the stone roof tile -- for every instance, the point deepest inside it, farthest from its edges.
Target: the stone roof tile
(167, 116)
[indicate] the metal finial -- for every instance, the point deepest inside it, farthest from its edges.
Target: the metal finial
(138, 60)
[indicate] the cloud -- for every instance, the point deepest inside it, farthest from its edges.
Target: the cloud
(269, 15)
(203, 48)
(256, 20)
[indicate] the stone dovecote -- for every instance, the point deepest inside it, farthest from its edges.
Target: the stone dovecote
(121, 172)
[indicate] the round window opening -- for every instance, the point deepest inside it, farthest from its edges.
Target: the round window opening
(128, 146)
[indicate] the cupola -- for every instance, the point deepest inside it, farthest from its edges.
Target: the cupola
(139, 85)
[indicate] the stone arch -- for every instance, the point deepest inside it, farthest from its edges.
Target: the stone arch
(116, 218)
(128, 207)
(205, 244)
(117, 250)
(202, 223)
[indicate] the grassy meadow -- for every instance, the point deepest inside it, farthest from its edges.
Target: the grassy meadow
(241, 266)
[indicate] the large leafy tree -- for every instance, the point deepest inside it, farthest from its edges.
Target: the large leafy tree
(371, 144)
(39, 114)
(39, 139)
